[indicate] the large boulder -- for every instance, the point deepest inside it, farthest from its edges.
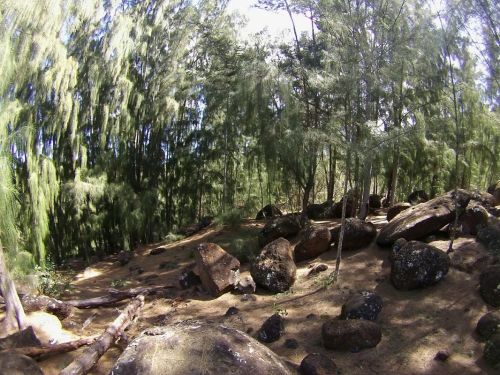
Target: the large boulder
(423, 219)
(489, 282)
(198, 347)
(396, 209)
(488, 325)
(284, 226)
(274, 268)
(357, 234)
(350, 335)
(267, 212)
(418, 196)
(418, 265)
(218, 270)
(365, 305)
(336, 210)
(318, 211)
(474, 217)
(491, 351)
(489, 236)
(494, 189)
(12, 363)
(315, 240)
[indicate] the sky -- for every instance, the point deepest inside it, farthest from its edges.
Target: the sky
(258, 19)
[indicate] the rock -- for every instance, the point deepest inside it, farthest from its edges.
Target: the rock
(158, 250)
(48, 304)
(317, 211)
(474, 216)
(135, 269)
(350, 335)
(357, 234)
(124, 257)
(20, 339)
(488, 325)
(218, 270)
(470, 256)
(271, 329)
(189, 278)
(398, 245)
(418, 196)
(336, 210)
(12, 363)
(198, 347)
(418, 265)
(488, 285)
(489, 236)
(192, 229)
(396, 209)
(423, 219)
(274, 268)
(375, 201)
(482, 198)
(315, 240)
(366, 305)
(442, 356)
(284, 226)
(494, 190)
(269, 211)
(317, 364)
(317, 268)
(245, 285)
(491, 351)
(291, 344)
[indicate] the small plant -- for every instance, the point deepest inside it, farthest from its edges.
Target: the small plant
(244, 249)
(118, 283)
(277, 309)
(173, 237)
(231, 219)
(51, 282)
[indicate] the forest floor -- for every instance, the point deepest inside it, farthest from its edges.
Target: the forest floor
(415, 324)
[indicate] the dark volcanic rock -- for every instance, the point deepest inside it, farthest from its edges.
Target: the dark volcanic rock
(489, 236)
(284, 226)
(218, 270)
(315, 240)
(418, 265)
(124, 257)
(271, 329)
(366, 305)
(491, 352)
(357, 234)
(198, 347)
(418, 196)
(488, 325)
(423, 219)
(48, 304)
(396, 209)
(20, 339)
(351, 335)
(274, 268)
(494, 190)
(291, 344)
(474, 216)
(267, 212)
(336, 210)
(317, 364)
(189, 278)
(12, 363)
(316, 268)
(489, 282)
(318, 211)
(158, 250)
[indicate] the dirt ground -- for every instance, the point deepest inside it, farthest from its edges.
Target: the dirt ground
(415, 324)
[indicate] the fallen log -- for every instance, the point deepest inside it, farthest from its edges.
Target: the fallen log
(114, 296)
(84, 362)
(40, 352)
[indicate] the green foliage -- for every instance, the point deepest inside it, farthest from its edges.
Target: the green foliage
(231, 219)
(52, 282)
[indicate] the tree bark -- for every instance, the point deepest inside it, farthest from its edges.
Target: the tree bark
(332, 167)
(367, 178)
(14, 313)
(114, 296)
(40, 352)
(84, 363)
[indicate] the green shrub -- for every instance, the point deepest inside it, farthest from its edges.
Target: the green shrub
(173, 237)
(244, 249)
(231, 219)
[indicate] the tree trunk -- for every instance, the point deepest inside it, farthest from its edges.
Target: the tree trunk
(367, 178)
(14, 313)
(84, 363)
(332, 169)
(393, 178)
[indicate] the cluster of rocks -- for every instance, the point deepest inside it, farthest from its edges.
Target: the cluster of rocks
(488, 328)
(333, 210)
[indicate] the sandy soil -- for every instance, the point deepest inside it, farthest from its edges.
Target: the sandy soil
(416, 324)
